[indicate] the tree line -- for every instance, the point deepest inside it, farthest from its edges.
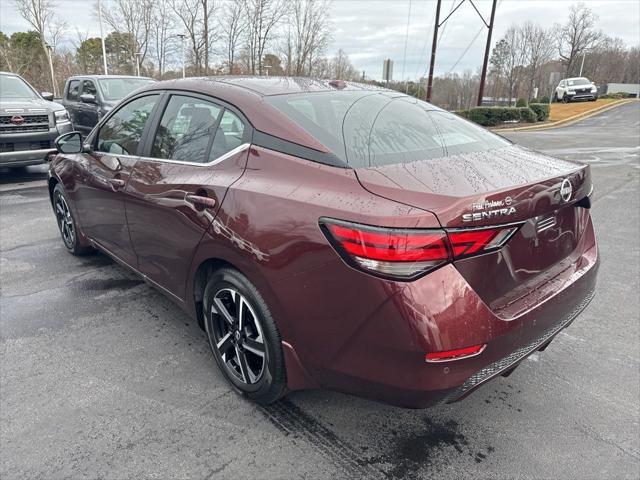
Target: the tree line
(291, 37)
(527, 55)
(254, 37)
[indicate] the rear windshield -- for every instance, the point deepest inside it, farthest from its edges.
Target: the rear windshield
(114, 89)
(383, 128)
(14, 87)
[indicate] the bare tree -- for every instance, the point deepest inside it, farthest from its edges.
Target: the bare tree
(133, 17)
(576, 36)
(538, 49)
(341, 67)
(162, 29)
(40, 15)
(262, 18)
(514, 59)
(233, 27)
(308, 34)
(190, 14)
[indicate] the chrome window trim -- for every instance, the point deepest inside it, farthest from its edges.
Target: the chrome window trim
(230, 153)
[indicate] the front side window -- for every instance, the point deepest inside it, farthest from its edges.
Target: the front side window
(74, 90)
(121, 133)
(89, 88)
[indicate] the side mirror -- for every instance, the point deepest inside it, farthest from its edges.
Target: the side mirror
(88, 98)
(70, 143)
(47, 96)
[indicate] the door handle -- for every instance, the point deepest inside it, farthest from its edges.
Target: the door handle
(199, 201)
(117, 183)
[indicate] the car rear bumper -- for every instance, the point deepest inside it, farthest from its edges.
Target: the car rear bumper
(383, 356)
(29, 148)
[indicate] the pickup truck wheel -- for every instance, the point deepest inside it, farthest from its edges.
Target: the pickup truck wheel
(67, 224)
(243, 336)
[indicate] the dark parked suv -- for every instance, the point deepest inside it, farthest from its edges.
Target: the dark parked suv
(29, 122)
(89, 97)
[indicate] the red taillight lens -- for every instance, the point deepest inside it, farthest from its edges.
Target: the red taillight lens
(470, 242)
(407, 253)
(457, 354)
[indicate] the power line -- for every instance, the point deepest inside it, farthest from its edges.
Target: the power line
(406, 39)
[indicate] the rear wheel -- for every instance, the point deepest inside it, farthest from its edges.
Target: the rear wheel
(67, 224)
(243, 337)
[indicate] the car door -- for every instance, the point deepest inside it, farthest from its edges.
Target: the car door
(198, 150)
(89, 111)
(72, 100)
(103, 174)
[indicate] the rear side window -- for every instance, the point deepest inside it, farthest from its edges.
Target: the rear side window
(196, 131)
(121, 133)
(187, 129)
(74, 90)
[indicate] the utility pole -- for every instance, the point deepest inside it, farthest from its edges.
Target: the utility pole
(433, 52)
(483, 75)
(53, 78)
(584, 54)
(104, 48)
(182, 35)
(137, 57)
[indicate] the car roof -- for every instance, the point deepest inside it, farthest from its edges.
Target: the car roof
(266, 86)
(108, 76)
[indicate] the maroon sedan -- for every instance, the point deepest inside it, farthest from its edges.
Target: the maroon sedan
(332, 234)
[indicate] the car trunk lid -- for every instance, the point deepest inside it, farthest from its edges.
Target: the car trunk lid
(509, 185)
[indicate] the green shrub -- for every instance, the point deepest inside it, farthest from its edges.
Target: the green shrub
(527, 115)
(534, 100)
(521, 103)
(544, 99)
(492, 116)
(541, 110)
(462, 113)
(618, 95)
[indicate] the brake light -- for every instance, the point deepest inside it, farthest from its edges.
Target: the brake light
(457, 354)
(470, 242)
(405, 253)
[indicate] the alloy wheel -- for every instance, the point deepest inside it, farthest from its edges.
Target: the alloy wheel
(65, 221)
(238, 336)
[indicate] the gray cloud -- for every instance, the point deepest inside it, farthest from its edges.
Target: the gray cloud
(372, 30)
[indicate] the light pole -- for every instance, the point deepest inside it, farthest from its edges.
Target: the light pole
(49, 48)
(182, 35)
(104, 48)
(137, 57)
(584, 54)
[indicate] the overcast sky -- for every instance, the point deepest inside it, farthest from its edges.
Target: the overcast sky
(372, 30)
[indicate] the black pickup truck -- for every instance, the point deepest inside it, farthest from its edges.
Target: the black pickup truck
(29, 122)
(89, 97)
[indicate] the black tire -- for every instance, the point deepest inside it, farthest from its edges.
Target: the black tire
(555, 97)
(236, 348)
(565, 98)
(69, 231)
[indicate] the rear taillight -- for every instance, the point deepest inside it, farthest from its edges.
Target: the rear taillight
(405, 253)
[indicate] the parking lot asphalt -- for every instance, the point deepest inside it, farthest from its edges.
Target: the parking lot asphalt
(101, 376)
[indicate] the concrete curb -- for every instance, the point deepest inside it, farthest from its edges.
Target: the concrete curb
(567, 121)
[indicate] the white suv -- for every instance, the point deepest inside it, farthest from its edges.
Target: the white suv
(578, 88)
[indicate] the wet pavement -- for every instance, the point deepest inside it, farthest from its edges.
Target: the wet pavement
(101, 376)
